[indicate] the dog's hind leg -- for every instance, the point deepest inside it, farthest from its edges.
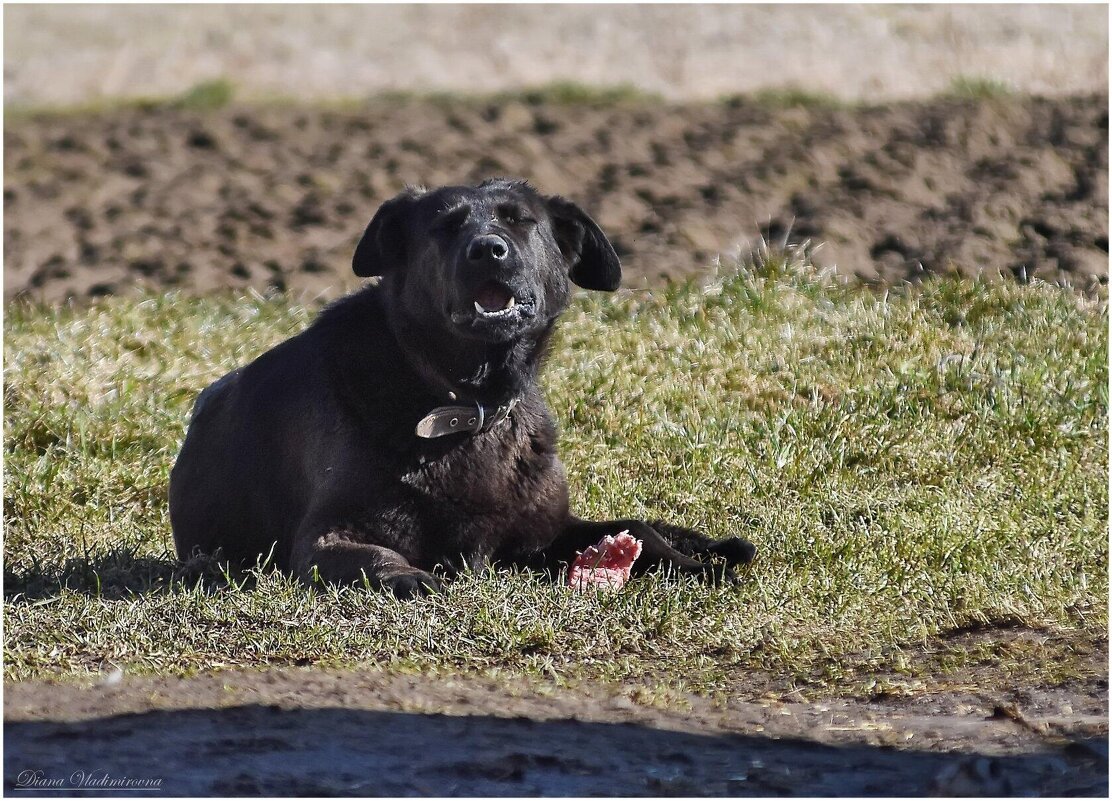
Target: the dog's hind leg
(735, 550)
(334, 558)
(656, 549)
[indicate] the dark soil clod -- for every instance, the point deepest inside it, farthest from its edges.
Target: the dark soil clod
(1013, 187)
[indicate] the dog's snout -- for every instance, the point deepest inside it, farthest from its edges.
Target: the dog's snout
(487, 247)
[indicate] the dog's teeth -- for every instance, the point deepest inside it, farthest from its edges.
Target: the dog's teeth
(496, 312)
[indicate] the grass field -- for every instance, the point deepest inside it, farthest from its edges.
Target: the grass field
(910, 464)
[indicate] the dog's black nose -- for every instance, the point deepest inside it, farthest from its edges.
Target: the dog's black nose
(488, 246)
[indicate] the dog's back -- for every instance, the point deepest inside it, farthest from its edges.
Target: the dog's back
(233, 489)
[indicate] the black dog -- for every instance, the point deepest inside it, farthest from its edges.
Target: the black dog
(404, 431)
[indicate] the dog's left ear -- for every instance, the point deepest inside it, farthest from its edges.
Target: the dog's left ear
(382, 247)
(593, 262)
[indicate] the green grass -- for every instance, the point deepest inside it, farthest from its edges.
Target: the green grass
(221, 92)
(909, 464)
(579, 94)
(204, 96)
(976, 87)
(790, 97)
(559, 93)
(208, 96)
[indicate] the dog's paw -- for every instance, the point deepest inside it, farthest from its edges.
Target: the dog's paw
(721, 575)
(716, 574)
(734, 550)
(411, 584)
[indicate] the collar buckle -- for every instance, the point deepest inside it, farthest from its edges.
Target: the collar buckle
(444, 420)
(478, 418)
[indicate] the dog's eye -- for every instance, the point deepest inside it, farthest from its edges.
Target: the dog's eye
(512, 215)
(451, 220)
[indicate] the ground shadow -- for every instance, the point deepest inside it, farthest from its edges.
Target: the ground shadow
(118, 573)
(121, 573)
(270, 750)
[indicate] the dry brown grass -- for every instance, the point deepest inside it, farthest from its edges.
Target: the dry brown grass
(76, 54)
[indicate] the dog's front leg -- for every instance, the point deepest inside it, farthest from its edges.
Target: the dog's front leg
(336, 559)
(578, 535)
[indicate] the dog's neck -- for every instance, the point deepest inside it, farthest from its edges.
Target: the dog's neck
(487, 373)
(425, 371)
(471, 371)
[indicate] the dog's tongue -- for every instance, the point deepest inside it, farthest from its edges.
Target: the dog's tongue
(493, 296)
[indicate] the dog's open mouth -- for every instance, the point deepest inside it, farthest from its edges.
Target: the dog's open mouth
(494, 302)
(494, 299)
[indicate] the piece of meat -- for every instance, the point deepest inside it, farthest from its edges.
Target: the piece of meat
(606, 564)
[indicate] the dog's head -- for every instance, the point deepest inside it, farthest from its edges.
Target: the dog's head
(491, 261)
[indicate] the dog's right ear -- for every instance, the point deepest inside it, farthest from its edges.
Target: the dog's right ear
(382, 247)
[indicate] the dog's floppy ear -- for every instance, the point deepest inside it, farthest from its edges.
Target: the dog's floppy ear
(383, 244)
(593, 262)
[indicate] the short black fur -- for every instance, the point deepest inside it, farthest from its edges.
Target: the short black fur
(309, 453)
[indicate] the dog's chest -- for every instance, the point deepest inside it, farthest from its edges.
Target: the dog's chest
(488, 490)
(482, 477)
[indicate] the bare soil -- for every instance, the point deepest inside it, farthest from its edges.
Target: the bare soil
(320, 732)
(316, 731)
(275, 197)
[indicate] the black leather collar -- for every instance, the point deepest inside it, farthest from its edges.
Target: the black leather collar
(444, 420)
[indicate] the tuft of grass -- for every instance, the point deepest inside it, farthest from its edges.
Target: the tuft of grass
(572, 93)
(791, 97)
(976, 87)
(206, 95)
(217, 94)
(565, 93)
(911, 465)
